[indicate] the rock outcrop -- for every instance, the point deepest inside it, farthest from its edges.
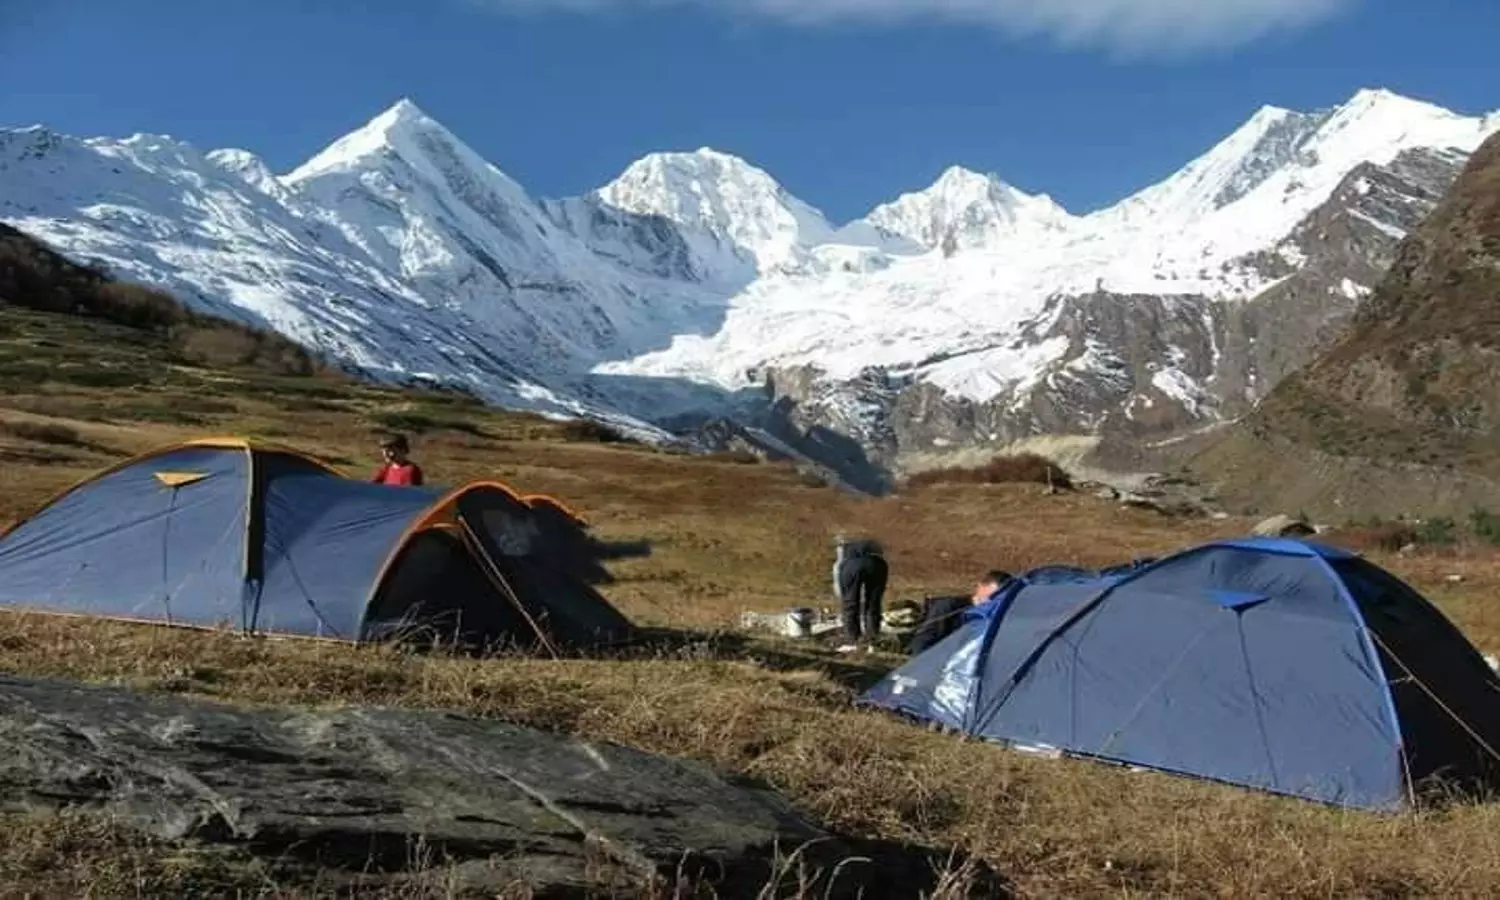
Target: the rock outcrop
(384, 793)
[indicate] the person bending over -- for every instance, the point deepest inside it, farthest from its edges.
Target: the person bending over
(860, 573)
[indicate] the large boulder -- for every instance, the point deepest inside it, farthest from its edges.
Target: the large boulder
(1283, 526)
(359, 791)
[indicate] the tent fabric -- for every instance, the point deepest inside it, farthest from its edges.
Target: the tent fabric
(224, 533)
(129, 546)
(1274, 664)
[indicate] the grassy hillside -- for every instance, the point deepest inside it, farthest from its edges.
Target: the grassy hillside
(80, 393)
(1401, 415)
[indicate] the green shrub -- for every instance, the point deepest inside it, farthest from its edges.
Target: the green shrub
(1485, 525)
(148, 411)
(740, 457)
(24, 374)
(1388, 537)
(1021, 468)
(590, 431)
(44, 433)
(420, 423)
(103, 378)
(307, 404)
(1440, 531)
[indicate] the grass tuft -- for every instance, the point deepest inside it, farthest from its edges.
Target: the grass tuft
(591, 431)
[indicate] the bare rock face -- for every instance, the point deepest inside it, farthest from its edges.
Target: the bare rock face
(363, 791)
(1401, 414)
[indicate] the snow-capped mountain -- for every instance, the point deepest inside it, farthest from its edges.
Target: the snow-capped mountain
(740, 222)
(966, 210)
(694, 286)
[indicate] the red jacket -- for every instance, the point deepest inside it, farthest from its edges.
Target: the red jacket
(407, 474)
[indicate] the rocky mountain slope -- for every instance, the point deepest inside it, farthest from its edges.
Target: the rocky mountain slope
(1402, 413)
(695, 289)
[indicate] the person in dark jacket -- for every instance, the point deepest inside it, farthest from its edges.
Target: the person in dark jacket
(941, 616)
(860, 573)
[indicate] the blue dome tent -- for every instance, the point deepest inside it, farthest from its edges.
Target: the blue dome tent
(234, 534)
(1281, 665)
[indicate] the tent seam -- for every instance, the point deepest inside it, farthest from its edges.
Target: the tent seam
(1388, 697)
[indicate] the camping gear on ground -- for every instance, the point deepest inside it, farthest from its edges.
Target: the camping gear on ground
(860, 574)
(227, 533)
(903, 616)
(799, 622)
(941, 616)
(1276, 664)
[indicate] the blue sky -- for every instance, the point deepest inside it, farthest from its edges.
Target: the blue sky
(846, 102)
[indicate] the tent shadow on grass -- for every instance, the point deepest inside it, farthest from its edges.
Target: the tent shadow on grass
(777, 656)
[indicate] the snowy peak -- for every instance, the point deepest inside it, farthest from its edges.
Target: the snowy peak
(404, 137)
(1374, 125)
(1368, 100)
(1236, 165)
(32, 142)
(1250, 189)
(392, 131)
(734, 214)
(965, 209)
(694, 274)
(421, 202)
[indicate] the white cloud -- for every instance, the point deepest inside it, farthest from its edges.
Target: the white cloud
(1125, 27)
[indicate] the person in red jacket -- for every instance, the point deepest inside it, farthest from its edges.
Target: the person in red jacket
(398, 469)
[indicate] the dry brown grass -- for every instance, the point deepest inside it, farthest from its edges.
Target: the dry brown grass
(1384, 537)
(1019, 468)
(725, 537)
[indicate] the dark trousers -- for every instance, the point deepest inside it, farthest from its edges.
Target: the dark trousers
(861, 590)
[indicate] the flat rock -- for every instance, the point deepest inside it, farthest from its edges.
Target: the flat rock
(1283, 526)
(379, 791)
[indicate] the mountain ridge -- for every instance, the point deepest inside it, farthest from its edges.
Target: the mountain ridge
(676, 291)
